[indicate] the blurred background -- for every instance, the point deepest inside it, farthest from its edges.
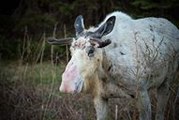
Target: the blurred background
(30, 68)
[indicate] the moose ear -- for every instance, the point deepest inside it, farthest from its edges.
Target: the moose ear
(106, 28)
(79, 25)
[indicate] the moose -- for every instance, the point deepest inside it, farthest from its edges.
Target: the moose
(123, 58)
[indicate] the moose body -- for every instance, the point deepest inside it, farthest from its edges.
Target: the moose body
(123, 57)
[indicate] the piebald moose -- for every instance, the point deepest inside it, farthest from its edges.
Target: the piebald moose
(123, 57)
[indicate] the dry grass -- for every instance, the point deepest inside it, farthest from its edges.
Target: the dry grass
(30, 92)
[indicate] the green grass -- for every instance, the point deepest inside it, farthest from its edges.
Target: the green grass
(35, 74)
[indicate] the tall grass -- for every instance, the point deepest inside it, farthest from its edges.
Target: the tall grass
(29, 86)
(31, 92)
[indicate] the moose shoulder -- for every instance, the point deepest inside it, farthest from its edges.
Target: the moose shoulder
(123, 57)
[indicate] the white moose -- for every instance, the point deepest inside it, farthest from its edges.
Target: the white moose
(123, 57)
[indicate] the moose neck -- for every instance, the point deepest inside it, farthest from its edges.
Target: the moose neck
(111, 87)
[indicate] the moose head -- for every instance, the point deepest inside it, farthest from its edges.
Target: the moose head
(86, 55)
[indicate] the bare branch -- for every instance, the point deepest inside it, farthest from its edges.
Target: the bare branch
(62, 41)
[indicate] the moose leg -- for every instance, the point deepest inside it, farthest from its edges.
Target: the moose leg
(163, 93)
(101, 107)
(144, 105)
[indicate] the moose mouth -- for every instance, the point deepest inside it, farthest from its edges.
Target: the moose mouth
(78, 85)
(72, 81)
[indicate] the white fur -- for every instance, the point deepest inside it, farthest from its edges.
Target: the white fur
(148, 45)
(144, 53)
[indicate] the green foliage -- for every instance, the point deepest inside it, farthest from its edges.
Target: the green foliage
(8, 48)
(36, 23)
(152, 4)
(145, 4)
(40, 16)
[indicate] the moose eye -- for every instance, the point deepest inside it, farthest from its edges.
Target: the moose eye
(90, 51)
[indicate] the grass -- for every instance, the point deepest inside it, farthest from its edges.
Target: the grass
(30, 92)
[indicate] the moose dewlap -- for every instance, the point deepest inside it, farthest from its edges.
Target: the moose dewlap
(123, 57)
